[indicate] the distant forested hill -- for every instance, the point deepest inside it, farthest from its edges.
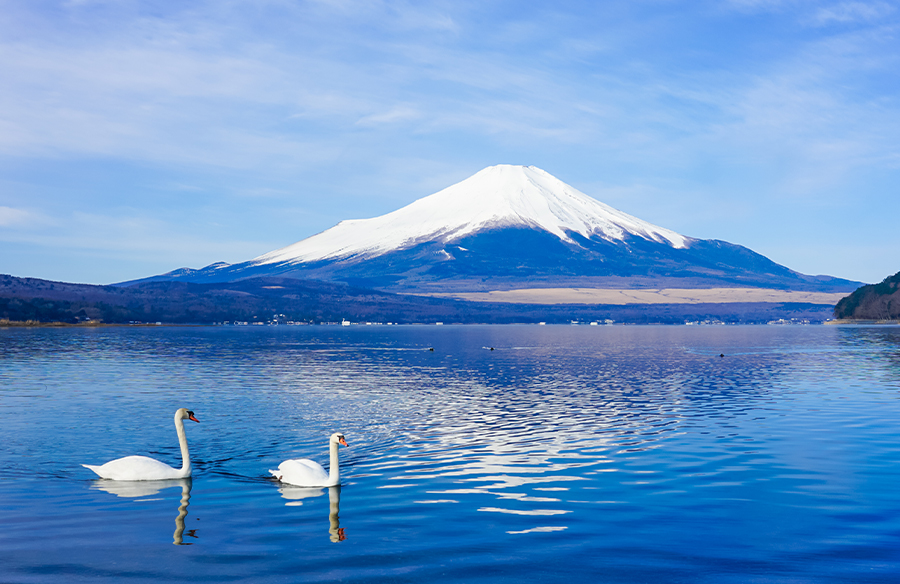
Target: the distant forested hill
(872, 302)
(251, 300)
(311, 301)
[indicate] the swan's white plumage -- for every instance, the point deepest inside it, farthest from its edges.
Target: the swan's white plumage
(303, 472)
(136, 468)
(143, 468)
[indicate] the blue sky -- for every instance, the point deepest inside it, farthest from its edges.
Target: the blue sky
(139, 137)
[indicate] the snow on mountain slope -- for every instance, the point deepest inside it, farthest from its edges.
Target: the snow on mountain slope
(498, 196)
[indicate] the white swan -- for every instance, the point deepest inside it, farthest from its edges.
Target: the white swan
(306, 473)
(142, 468)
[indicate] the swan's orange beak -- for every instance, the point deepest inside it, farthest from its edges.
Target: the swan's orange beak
(344, 442)
(191, 417)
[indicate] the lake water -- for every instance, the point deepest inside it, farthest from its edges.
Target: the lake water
(592, 454)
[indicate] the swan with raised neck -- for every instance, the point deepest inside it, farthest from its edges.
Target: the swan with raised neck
(144, 468)
(304, 472)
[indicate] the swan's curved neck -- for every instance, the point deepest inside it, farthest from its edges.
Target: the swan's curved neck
(334, 468)
(185, 455)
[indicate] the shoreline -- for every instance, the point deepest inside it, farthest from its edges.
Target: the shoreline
(58, 324)
(839, 321)
(587, 296)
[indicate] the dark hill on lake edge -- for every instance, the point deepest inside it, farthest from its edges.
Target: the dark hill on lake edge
(872, 302)
(264, 299)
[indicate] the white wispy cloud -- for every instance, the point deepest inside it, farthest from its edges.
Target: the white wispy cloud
(704, 112)
(13, 217)
(849, 12)
(400, 113)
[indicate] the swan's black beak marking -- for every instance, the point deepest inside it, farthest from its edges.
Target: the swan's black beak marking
(191, 416)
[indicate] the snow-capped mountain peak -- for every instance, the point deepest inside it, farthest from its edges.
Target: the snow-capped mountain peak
(497, 197)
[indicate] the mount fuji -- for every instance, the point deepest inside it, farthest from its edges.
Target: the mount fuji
(509, 227)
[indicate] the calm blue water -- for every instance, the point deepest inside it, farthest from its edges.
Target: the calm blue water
(595, 454)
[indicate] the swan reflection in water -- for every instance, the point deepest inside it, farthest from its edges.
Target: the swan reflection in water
(296, 494)
(135, 489)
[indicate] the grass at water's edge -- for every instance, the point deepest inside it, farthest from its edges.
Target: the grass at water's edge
(862, 321)
(6, 323)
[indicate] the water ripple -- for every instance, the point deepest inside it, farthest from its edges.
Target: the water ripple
(632, 452)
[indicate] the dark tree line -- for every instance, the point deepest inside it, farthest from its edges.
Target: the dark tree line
(872, 302)
(265, 299)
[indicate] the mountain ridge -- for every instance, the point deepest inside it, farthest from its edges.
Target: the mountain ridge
(500, 196)
(512, 227)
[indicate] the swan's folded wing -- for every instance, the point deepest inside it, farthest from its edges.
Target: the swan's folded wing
(302, 472)
(135, 468)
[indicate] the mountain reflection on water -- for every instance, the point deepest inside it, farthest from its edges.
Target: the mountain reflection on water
(616, 454)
